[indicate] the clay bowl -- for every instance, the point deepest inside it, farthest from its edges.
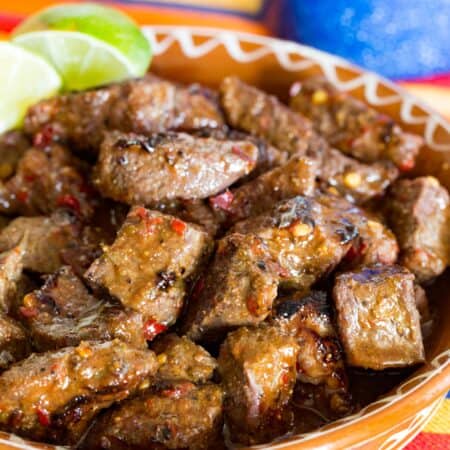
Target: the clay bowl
(207, 55)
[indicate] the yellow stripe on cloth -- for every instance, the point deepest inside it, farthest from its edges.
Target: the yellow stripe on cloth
(246, 6)
(438, 97)
(440, 423)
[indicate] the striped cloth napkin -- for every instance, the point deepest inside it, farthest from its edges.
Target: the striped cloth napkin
(413, 37)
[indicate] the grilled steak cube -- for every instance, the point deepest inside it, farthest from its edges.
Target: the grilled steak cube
(41, 239)
(11, 266)
(63, 313)
(13, 145)
(352, 126)
(375, 242)
(268, 155)
(147, 105)
(305, 238)
(418, 213)
(164, 167)
(356, 181)
(46, 179)
(149, 263)
(264, 116)
(169, 416)
(65, 389)
(238, 289)
(258, 372)
(181, 359)
(320, 363)
(377, 317)
(14, 344)
(296, 177)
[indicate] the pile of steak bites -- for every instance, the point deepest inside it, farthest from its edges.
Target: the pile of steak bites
(181, 268)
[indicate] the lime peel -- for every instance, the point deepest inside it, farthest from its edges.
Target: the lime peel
(103, 41)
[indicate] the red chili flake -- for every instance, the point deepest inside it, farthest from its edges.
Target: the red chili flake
(22, 196)
(407, 165)
(180, 390)
(69, 201)
(43, 138)
(152, 328)
(178, 226)
(252, 305)
(28, 311)
(142, 213)
(43, 417)
(285, 378)
(239, 152)
(355, 252)
(30, 178)
(222, 201)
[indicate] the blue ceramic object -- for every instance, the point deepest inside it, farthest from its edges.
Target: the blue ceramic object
(397, 38)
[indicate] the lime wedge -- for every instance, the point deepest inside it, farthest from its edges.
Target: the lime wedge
(24, 79)
(87, 43)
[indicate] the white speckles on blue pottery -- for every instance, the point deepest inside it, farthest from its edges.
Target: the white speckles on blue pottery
(397, 38)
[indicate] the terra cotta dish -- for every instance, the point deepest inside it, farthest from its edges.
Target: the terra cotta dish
(207, 56)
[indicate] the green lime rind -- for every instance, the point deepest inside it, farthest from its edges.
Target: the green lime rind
(106, 24)
(82, 60)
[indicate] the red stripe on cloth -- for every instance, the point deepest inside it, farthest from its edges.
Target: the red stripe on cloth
(430, 441)
(441, 80)
(7, 22)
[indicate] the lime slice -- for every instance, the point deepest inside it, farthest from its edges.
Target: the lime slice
(24, 79)
(88, 44)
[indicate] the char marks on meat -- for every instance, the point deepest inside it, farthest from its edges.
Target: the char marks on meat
(171, 166)
(148, 105)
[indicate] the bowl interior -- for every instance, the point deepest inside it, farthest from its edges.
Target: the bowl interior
(207, 56)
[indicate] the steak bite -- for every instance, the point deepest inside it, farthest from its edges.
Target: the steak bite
(418, 213)
(377, 317)
(41, 238)
(150, 262)
(258, 372)
(321, 372)
(169, 166)
(11, 266)
(147, 105)
(13, 145)
(375, 242)
(296, 177)
(65, 389)
(264, 116)
(238, 289)
(63, 313)
(14, 344)
(305, 238)
(352, 126)
(46, 179)
(181, 359)
(356, 181)
(175, 415)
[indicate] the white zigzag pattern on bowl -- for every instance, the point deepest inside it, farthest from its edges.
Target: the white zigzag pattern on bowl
(403, 437)
(282, 51)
